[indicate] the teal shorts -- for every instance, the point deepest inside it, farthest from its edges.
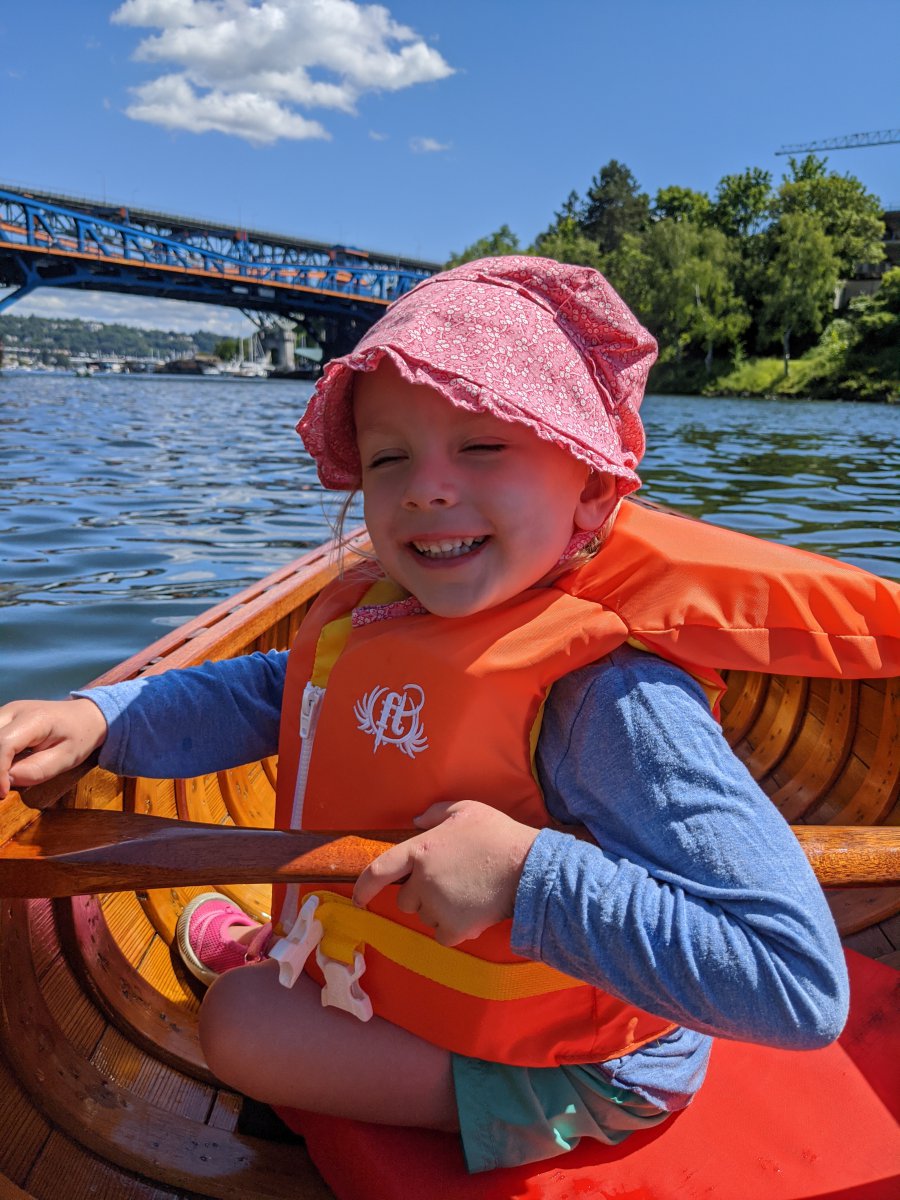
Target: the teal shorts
(514, 1115)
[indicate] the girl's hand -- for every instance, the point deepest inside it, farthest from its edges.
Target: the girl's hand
(60, 733)
(460, 875)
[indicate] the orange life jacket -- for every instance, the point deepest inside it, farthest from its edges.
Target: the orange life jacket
(421, 708)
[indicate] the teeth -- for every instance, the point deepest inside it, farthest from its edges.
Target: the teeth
(450, 548)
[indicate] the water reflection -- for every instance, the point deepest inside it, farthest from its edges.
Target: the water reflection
(128, 504)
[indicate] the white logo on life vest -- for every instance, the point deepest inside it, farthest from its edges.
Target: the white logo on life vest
(393, 719)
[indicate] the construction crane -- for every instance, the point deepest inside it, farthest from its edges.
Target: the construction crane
(850, 142)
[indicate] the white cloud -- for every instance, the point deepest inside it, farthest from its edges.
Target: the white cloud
(243, 67)
(426, 145)
(171, 102)
(376, 136)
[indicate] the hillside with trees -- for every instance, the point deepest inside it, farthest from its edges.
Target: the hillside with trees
(739, 287)
(54, 340)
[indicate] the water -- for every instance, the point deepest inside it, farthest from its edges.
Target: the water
(129, 504)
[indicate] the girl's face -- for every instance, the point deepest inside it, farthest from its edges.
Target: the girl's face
(464, 510)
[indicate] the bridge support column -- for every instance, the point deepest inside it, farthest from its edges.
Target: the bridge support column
(279, 342)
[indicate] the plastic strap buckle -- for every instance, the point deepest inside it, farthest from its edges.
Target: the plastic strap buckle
(342, 988)
(292, 951)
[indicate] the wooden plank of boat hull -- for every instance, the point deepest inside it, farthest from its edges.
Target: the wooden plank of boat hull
(819, 750)
(9, 1190)
(84, 1027)
(742, 703)
(87, 1175)
(151, 1020)
(45, 945)
(861, 908)
(776, 727)
(133, 932)
(14, 816)
(248, 796)
(146, 1076)
(18, 1117)
(131, 926)
(879, 801)
(270, 766)
(867, 789)
(118, 1125)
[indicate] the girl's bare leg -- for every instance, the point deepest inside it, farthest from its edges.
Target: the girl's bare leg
(281, 1046)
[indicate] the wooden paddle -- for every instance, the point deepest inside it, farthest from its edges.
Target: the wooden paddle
(68, 852)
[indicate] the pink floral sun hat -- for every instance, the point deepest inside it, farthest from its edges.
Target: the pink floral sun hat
(526, 339)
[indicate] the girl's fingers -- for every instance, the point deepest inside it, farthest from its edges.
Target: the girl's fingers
(434, 814)
(61, 734)
(18, 732)
(39, 767)
(390, 867)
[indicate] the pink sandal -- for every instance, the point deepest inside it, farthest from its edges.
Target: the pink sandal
(205, 949)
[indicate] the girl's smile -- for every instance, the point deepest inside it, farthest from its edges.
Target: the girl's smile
(464, 510)
(445, 548)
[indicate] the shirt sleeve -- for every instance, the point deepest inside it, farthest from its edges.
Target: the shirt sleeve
(697, 902)
(193, 721)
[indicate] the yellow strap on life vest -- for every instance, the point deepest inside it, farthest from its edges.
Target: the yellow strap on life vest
(333, 636)
(348, 928)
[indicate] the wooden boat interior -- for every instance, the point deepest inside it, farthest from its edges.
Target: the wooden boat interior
(103, 1087)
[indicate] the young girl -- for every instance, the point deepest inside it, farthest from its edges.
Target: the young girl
(488, 681)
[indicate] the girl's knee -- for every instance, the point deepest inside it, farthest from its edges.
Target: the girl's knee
(226, 1025)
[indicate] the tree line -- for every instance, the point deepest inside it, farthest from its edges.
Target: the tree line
(751, 270)
(55, 339)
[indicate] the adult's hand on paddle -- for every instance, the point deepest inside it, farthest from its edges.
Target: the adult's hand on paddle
(460, 875)
(59, 733)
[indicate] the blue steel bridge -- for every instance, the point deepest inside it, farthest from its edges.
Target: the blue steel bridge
(333, 292)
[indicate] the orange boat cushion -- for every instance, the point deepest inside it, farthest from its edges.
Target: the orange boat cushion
(767, 1125)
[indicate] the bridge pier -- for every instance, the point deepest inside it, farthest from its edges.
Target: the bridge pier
(278, 341)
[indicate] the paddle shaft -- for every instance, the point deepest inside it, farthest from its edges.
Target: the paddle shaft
(68, 852)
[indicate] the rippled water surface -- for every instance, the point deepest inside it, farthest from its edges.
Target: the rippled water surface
(128, 504)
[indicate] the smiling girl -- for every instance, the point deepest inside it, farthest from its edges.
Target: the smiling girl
(529, 661)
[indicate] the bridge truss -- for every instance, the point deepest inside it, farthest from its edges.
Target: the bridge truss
(333, 292)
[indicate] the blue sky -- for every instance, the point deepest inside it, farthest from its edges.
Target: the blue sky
(418, 126)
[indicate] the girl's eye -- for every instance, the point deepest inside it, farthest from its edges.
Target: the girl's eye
(488, 447)
(381, 460)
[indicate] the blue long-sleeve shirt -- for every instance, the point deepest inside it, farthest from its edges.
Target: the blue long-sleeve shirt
(696, 903)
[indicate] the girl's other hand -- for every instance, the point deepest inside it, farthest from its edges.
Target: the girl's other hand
(60, 733)
(460, 875)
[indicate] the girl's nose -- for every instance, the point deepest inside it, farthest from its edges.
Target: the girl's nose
(429, 484)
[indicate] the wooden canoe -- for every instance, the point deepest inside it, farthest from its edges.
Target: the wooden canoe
(103, 1088)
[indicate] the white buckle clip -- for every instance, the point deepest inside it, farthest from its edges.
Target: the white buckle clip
(342, 988)
(292, 951)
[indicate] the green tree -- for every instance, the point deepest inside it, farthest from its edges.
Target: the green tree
(680, 277)
(226, 349)
(629, 269)
(502, 241)
(565, 242)
(682, 204)
(849, 215)
(614, 206)
(742, 210)
(871, 366)
(743, 203)
(798, 280)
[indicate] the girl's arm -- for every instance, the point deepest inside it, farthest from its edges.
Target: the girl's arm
(193, 721)
(697, 903)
